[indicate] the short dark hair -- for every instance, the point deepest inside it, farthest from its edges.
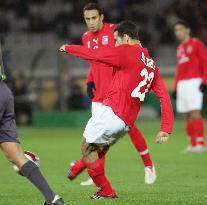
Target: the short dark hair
(183, 23)
(129, 28)
(92, 6)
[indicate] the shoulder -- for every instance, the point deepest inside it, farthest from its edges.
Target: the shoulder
(86, 34)
(196, 41)
(123, 47)
(110, 26)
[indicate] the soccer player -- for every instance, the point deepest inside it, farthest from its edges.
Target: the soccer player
(190, 83)
(135, 74)
(99, 78)
(10, 145)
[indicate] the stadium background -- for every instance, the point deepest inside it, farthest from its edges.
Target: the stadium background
(49, 86)
(49, 90)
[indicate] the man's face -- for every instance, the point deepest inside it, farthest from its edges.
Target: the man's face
(181, 32)
(118, 40)
(94, 20)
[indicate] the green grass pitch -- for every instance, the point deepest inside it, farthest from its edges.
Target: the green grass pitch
(182, 178)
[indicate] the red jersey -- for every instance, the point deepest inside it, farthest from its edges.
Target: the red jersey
(191, 61)
(135, 75)
(101, 77)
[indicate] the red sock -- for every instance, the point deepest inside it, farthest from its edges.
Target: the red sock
(190, 130)
(102, 152)
(140, 145)
(96, 171)
(200, 135)
(79, 165)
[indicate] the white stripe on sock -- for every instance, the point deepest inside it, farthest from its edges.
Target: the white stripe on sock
(144, 152)
(200, 139)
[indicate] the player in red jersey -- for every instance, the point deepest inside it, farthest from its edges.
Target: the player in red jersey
(135, 74)
(101, 35)
(190, 83)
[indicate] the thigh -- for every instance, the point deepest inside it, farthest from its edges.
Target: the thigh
(104, 129)
(8, 131)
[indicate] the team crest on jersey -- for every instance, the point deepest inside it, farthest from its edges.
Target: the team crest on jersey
(105, 40)
(189, 49)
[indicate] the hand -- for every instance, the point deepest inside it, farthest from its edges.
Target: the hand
(203, 88)
(162, 137)
(62, 48)
(90, 89)
(174, 95)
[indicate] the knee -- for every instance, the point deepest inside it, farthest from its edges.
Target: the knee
(83, 150)
(8, 157)
(195, 115)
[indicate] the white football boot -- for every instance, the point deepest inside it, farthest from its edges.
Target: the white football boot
(88, 182)
(200, 149)
(150, 175)
(196, 149)
(189, 149)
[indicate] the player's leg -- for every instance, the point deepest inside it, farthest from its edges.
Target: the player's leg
(15, 154)
(189, 102)
(102, 157)
(96, 170)
(78, 166)
(190, 131)
(9, 143)
(103, 129)
(141, 146)
(195, 131)
(198, 123)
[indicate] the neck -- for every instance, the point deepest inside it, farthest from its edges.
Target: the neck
(101, 26)
(134, 42)
(185, 39)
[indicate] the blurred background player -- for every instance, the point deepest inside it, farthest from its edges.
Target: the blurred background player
(135, 74)
(99, 78)
(10, 145)
(190, 84)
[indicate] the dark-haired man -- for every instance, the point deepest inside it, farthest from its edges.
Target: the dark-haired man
(190, 84)
(135, 74)
(101, 35)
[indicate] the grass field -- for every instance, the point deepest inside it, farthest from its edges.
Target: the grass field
(182, 178)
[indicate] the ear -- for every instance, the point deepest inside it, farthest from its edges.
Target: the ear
(189, 30)
(102, 17)
(126, 38)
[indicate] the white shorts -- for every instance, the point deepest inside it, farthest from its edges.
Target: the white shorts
(104, 127)
(95, 106)
(189, 96)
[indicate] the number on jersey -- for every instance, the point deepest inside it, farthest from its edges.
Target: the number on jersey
(148, 78)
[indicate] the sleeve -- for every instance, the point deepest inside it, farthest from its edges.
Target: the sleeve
(109, 56)
(202, 55)
(83, 40)
(167, 114)
(89, 76)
